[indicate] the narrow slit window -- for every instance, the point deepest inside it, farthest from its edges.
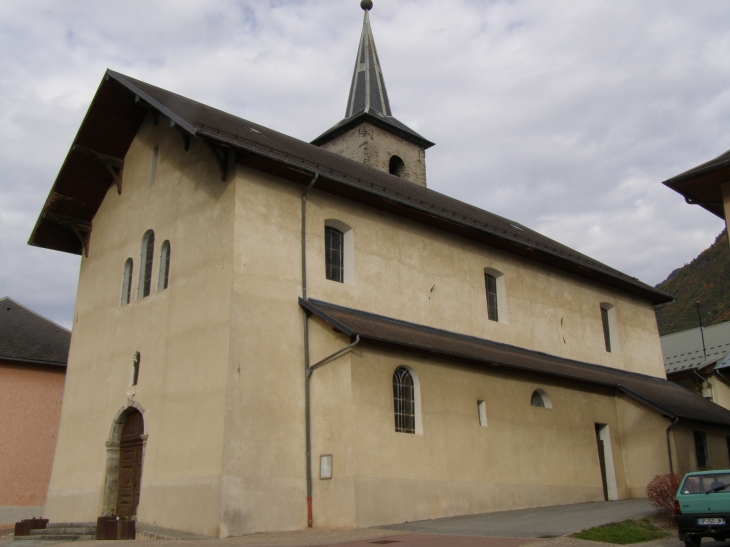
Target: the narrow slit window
(164, 276)
(606, 328)
(146, 257)
(703, 459)
(334, 253)
(153, 165)
(482, 408)
(491, 284)
(127, 282)
(404, 403)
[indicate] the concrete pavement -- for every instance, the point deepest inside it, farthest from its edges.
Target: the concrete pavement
(532, 523)
(502, 529)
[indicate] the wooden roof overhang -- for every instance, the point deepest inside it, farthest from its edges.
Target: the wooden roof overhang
(121, 104)
(701, 185)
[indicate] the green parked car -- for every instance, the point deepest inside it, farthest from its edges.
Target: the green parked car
(702, 506)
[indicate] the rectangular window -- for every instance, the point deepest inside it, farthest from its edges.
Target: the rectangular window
(491, 283)
(482, 407)
(703, 459)
(334, 251)
(606, 328)
(325, 466)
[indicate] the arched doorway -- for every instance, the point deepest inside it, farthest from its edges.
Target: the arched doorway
(131, 450)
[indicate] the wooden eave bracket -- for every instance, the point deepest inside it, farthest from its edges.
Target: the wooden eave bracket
(81, 228)
(221, 154)
(112, 164)
(184, 134)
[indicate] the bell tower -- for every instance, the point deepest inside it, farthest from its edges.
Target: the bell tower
(369, 133)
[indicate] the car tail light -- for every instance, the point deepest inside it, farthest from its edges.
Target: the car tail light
(677, 510)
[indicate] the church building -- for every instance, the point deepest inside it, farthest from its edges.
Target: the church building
(271, 334)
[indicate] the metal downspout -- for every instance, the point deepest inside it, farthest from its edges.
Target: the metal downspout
(702, 380)
(669, 444)
(307, 372)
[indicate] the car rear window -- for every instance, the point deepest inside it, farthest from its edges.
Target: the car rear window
(702, 484)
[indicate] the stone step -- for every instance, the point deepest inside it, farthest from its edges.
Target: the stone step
(64, 537)
(58, 531)
(71, 525)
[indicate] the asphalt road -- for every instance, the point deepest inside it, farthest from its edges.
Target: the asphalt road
(531, 523)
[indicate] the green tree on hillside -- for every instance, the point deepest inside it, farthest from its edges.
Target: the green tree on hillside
(707, 279)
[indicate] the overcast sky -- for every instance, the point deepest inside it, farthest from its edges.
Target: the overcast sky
(565, 116)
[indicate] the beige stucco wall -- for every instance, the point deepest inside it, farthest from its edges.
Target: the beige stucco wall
(373, 146)
(182, 333)
(524, 457)
(30, 409)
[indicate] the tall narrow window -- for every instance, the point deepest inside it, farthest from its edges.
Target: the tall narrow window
(126, 282)
(606, 328)
(492, 310)
(153, 166)
(145, 271)
(404, 402)
(334, 253)
(482, 408)
(164, 266)
(703, 459)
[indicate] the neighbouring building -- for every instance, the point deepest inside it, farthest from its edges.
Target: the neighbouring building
(271, 334)
(699, 360)
(33, 356)
(707, 185)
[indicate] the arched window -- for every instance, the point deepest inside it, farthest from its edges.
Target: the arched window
(610, 327)
(339, 252)
(404, 401)
(145, 271)
(540, 399)
(126, 282)
(496, 295)
(164, 276)
(396, 166)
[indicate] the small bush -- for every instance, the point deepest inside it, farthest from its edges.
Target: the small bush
(661, 490)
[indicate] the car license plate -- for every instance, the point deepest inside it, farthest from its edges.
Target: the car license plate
(707, 522)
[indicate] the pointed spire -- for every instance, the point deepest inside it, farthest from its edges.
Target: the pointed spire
(367, 91)
(368, 101)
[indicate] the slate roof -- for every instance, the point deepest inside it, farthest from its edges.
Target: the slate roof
(701, 185)
(683, 350)
(666, 397)
(368, 100)
(122, 103)
(28, 337)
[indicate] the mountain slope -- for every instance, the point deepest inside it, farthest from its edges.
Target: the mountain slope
(707, 279)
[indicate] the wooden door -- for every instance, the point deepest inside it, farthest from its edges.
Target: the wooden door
(130, 465)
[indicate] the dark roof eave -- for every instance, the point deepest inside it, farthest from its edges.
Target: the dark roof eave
(678, 184)
(7, 358)
(346, 125)
(616, 380)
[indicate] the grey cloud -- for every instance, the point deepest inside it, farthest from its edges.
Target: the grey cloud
(562, 115)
